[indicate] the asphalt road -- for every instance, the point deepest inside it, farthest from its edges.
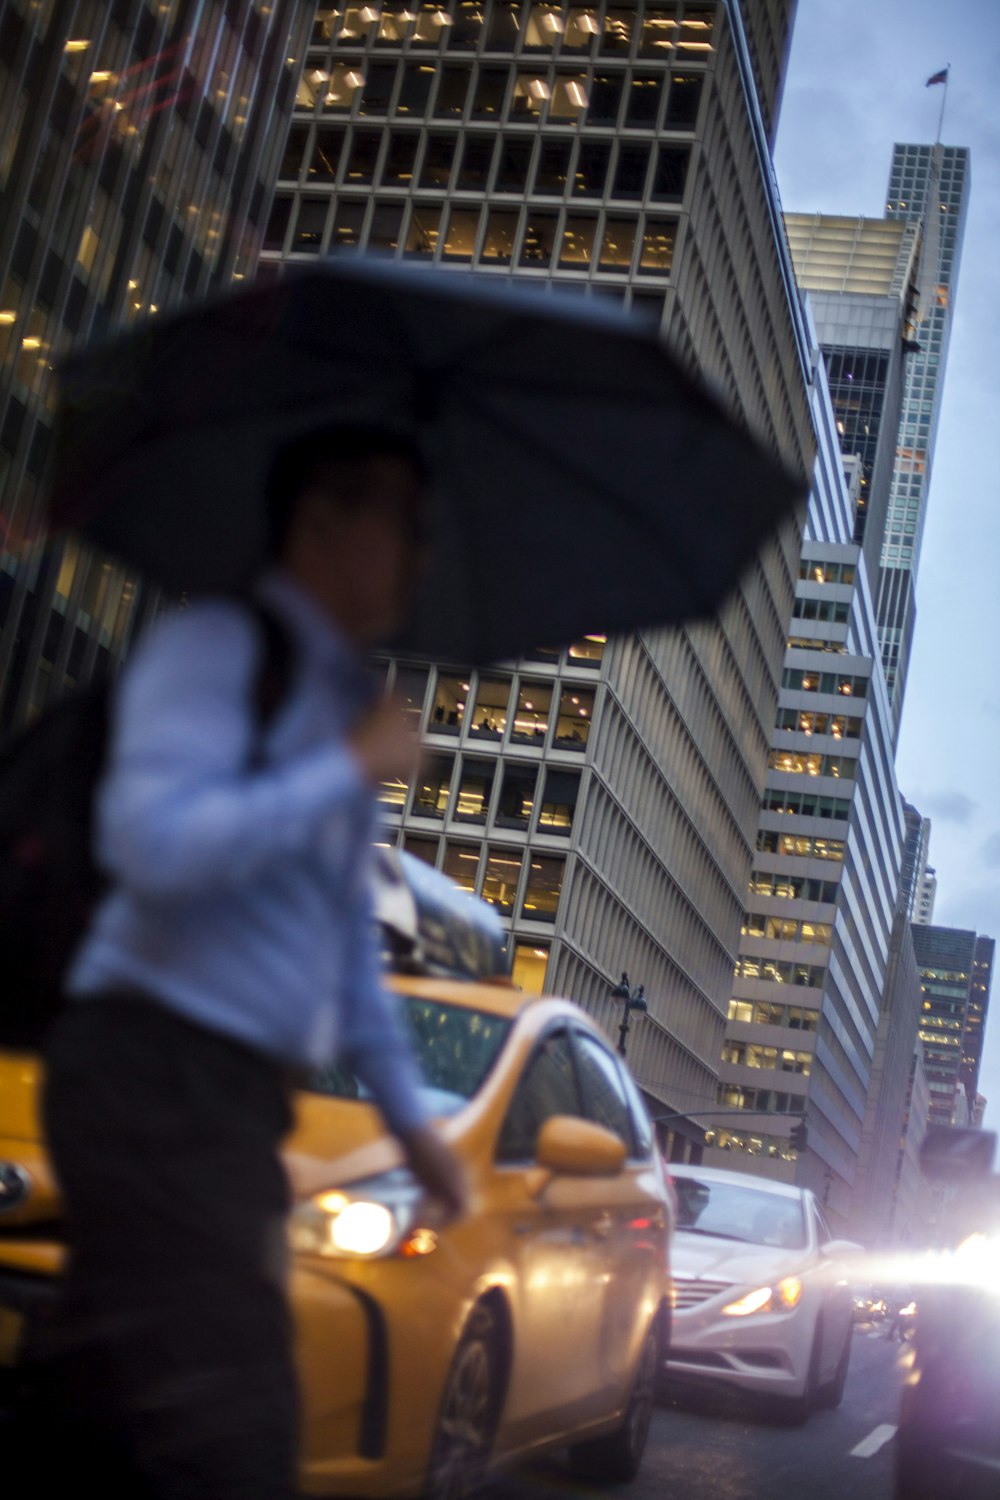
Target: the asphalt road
(712, 1446)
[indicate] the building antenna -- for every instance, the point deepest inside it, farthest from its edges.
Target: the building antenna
(944, 101)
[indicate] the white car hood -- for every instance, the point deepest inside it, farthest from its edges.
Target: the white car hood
(703, 1255)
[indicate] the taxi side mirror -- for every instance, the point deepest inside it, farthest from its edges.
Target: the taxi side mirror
(579, 1148)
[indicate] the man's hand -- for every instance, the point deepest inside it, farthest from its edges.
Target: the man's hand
(383, 743)
(435, 1164)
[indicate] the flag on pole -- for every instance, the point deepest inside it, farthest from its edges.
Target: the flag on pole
(941, 77)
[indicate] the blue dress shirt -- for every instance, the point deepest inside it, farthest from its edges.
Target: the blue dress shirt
(240, 858)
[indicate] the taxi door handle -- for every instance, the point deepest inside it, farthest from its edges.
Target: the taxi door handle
(602, 1226)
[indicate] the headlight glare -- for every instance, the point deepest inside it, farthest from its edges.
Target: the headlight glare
(753, 1302)
(379, 1217)
(789, 1291)
(362, 1228)
(785, 1295)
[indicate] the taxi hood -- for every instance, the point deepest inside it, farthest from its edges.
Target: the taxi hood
(335, 1142)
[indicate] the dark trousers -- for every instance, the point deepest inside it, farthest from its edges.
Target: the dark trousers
(169, 1358)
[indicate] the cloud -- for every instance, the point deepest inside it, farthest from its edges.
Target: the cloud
(990, 851)
(953, 807)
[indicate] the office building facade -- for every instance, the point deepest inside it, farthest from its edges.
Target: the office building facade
(604, 796)
(808, 994)
(928, 185)
(886, 1159)
(138, 150)
(912, 1190)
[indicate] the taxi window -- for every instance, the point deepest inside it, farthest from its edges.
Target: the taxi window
(455, 1049)
(603, 1091)
(641, 1123)
(548, 1087)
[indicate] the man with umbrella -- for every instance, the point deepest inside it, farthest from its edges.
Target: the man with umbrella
(235, 947)
(234, 924)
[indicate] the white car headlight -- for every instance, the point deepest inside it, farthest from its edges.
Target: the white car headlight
(378, 1217)
(781, 1297)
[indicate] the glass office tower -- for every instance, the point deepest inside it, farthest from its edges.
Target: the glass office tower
(930, 185)
(139, 143)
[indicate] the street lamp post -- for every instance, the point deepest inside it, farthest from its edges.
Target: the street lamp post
(632, 1000)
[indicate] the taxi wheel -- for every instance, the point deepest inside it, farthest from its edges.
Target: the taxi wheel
(468, 1416)
(615, 1459)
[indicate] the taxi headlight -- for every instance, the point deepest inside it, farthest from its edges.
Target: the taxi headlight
(382, 1216)
(784, 1295)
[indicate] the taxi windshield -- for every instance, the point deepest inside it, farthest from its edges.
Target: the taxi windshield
(455, 1048)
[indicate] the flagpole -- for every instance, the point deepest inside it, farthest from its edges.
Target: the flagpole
(944, 101)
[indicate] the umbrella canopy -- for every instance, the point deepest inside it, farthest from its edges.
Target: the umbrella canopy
(581, 480)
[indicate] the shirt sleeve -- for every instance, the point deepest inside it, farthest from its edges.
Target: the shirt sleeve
(179, 809)
(372, 1037)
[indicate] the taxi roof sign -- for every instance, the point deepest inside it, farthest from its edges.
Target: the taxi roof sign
(430, 924)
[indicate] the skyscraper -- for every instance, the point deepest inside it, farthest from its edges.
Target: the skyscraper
(975, 1019)
(603, 794)
(946, 959)
(860, 275)
(808, 992)
(929, 185)
(916, 851)
(808, 1033)
(138, 151)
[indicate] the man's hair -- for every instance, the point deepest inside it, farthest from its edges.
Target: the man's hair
(335, 459)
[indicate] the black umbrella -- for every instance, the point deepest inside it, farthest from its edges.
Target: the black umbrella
(582, 480)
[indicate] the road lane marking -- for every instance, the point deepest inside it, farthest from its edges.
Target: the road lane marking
(875, 1440)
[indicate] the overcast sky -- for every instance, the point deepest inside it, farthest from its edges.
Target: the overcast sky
(855, 85)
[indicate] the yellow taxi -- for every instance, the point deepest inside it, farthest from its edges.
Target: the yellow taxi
(428, 1354)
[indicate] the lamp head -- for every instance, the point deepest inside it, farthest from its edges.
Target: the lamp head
(621, 990)
(639, 999)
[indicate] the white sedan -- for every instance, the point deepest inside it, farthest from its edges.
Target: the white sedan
(761, 1298)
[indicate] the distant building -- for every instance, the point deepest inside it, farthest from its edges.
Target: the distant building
(951, 1019)
(860, 275)
(139, 145)
(916, 849)
(929, 186)
(976, 1015)
(926, 896)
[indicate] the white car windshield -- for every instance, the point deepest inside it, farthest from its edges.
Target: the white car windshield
(737, 1213)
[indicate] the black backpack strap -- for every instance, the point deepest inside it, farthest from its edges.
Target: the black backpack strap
(277, 665)
(276, 668)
